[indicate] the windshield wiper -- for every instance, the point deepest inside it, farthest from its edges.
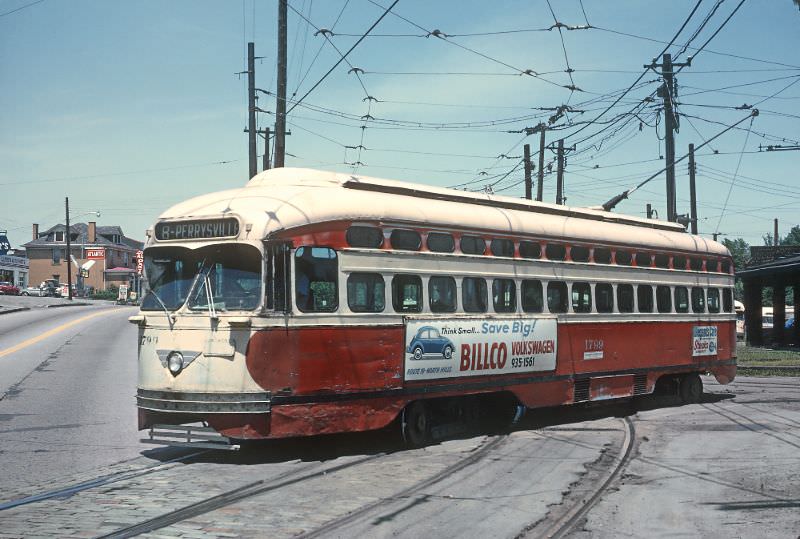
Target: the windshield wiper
(212, 311)
(170, 316)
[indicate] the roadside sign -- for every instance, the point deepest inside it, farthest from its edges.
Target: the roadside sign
(5, 245)
(95, 254)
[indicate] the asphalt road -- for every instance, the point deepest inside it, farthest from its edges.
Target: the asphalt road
(727, 467)
(67, 387)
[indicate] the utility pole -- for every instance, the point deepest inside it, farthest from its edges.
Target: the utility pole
(775, 238)
(251, 108)
(692, 192)
(527, 158)
(667, 92)
(68, 257)
(280, 104)
(562, 160)
(540, 183)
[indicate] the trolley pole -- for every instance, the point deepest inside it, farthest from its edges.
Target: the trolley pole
(527, 158)
(692, 192)
(540, 182)
(266, 133)
(775, 239)
(560, 173)
(649, 211)
(280, 104)
(251, 108)
(69, 252)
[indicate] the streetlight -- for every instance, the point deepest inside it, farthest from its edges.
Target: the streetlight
(69, 248)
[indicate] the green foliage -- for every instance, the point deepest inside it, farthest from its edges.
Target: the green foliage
(740, 251)
(792, 238)
(111, 293)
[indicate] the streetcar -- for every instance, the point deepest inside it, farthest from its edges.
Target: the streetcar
(311, 302)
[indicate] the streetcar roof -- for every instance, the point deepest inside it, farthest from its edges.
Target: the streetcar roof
(286, 198)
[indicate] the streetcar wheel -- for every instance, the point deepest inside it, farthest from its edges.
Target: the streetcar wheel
(691, 388)
(416, 424)
(447, 352)
(418, 352)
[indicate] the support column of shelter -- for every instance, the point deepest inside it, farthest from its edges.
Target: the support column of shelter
(778, 312)
(752, 313)
(796, 328)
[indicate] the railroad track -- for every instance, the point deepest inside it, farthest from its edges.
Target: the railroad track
(563, 519)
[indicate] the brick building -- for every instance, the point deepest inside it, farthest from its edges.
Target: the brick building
(107, 254)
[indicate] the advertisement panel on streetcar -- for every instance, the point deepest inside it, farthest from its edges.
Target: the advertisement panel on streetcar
(451, 347)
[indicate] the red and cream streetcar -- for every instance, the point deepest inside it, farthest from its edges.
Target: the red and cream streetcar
(310, 302)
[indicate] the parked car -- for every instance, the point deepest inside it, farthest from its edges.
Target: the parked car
(789, 323)
(428, 341)
(8, 289)
(34, 291)
(63, 292)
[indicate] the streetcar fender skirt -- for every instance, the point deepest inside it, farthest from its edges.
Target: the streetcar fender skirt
(724, 373)
(291, 420)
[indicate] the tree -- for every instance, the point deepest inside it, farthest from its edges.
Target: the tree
(740, 251)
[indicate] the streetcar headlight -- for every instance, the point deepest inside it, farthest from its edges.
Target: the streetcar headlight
(175, 363)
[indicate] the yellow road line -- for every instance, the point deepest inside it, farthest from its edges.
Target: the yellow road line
(50, 333)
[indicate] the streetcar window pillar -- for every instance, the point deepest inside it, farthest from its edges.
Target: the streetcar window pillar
(316, 279)
(474, 294)
(276, 272)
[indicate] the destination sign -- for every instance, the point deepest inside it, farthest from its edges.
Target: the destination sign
(198, 230)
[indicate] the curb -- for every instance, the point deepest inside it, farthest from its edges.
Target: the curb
(57, 305)
(14, 310)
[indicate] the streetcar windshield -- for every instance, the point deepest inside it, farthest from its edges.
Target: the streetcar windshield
(223, 277)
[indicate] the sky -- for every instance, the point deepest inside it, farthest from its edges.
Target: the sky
(128, 107)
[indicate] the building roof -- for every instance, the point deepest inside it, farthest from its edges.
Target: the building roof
(286, 198)
(780, 266)
(81, 231)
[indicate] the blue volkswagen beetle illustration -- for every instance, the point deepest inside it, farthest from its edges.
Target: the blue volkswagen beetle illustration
(428, 341)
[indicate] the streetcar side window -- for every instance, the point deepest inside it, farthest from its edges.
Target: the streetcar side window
(316, 272)
(442, 294)
(698, 300)
(474, 294)
(278, 258)
(725, 267)
(366, 293)
(623, 258)
(405, 240)
(473, 245)
(502, 247)
(679, 262)
(644, 295)
(578, 253)
(555, 251)
(407, 293)
(643, 260)
(602, 255)
(439, 242)
(696, 264)
(530, 249)
(557, 296)
(625, 298)
(581, 298)
(504, 295)
(664, 299)
(713, 300)
(532, 297)
(727, 300)
(364, 236)
(604, 297)
(681, 299)
(661, 261)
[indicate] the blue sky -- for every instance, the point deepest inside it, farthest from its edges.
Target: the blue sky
(129, 107)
